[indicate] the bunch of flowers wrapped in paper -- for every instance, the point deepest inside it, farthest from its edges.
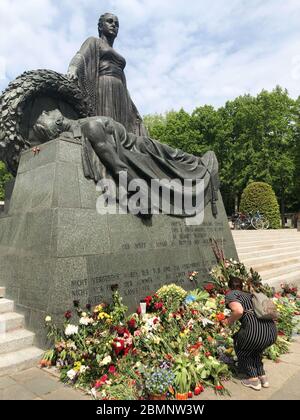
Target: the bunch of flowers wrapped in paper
(176, 350)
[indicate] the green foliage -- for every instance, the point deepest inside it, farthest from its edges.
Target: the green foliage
(259, 196)
(4, 177)
(256, 139)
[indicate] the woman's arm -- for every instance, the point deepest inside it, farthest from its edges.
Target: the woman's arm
(236, 314)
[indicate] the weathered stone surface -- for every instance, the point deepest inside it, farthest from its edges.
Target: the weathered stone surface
(56, 248)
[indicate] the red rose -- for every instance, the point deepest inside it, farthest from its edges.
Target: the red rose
(121, 330)
(132, 323)
(118, 345)
(148, 300)
(219, 388)
(139, 310)
(199, 388)
(112, 369)
(209, 287)
(190, 394)
(158, 305)
(68, 314)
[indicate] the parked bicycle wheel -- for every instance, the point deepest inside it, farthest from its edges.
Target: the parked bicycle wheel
(260, 222)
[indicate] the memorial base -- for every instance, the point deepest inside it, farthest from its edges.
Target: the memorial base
(55, 248)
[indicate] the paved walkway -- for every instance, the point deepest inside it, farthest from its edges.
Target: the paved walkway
(284, 378)
(40, 384)
(37, 384)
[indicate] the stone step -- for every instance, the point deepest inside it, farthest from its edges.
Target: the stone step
(10, 321)
(269, 274)
(2, 292)
(15, 340)
(257, 240)
(6, 305)
(254, 260)
(269, 252)
(278, 263)
(249, 247)
(290, 278)
(19, 360)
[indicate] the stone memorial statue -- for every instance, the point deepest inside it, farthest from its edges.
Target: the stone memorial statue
(60, 135)
(140, 157)
(99, 70)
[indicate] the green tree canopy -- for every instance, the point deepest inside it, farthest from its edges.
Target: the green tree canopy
(4, 177)
(256, 138)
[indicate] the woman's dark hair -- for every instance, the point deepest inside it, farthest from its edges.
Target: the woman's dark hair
(235, 283)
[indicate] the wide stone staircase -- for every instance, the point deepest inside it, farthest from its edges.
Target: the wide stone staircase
(275, 254)
(17, 350)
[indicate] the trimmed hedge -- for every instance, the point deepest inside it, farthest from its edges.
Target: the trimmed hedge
(259, 196)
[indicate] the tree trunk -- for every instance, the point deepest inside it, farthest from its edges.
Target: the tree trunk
(282, 212)
(236, 203)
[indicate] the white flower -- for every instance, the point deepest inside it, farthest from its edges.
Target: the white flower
(71, 374)
(107, 360)
(200, 366)
(206, 322)
(227, 312)
(48, 319)
(93, 392)
(84, 315)
(86, 321)
(83, 369)
(71, 345)
(71, 329)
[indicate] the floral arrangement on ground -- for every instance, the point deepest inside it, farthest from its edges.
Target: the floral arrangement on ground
(175, 350)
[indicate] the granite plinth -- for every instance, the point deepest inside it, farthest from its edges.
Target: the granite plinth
(56, 248)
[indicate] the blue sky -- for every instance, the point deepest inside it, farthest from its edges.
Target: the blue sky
(179, 53)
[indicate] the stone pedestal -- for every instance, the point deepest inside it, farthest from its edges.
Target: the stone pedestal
(55, 247)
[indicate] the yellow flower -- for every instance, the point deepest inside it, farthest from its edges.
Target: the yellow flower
(103, 315)
(77, 366)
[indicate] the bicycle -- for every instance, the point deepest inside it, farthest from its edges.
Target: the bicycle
(241, 221)
(256, 221)
(259, 221)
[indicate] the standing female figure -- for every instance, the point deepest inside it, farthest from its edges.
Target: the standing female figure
(99, 70)
(253, 338)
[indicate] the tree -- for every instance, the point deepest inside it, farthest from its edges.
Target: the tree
(4, 177)
(259, 196)
(254, 138)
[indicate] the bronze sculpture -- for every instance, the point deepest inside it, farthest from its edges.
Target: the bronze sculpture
(107, 146)
(99, 71)
(94, 98)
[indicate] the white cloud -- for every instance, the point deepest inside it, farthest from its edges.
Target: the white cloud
(179, 53)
